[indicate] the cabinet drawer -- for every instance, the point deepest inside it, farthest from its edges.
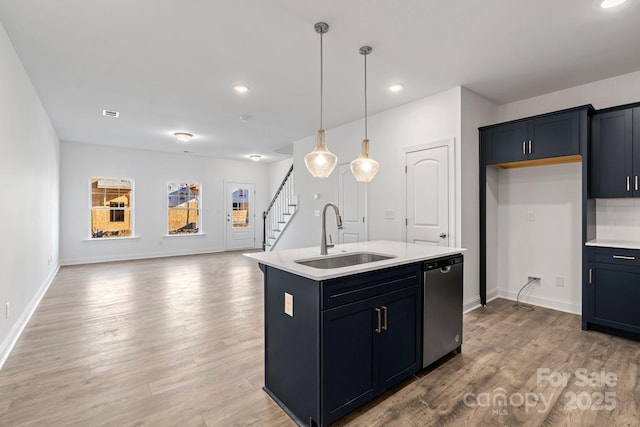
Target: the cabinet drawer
(629, 257)
(348, 289)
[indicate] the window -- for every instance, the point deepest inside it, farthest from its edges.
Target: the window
(240, 208)
(111, 202)
(183, 208)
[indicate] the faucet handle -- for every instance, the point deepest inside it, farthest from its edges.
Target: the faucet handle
(330, 244)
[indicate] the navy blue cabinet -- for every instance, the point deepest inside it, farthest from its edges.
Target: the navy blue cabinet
(615, 154)
(367, 347)
(548, 136)
(613, 291)
(331, 346)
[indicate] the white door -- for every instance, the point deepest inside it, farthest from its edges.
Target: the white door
(427, 196)
(240, 216)
(352, 206)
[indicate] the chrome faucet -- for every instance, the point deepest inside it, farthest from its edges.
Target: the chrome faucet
(323, 242)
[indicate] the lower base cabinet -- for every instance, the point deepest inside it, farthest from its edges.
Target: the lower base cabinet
(367, 347)
(613, 291)
(338, 344)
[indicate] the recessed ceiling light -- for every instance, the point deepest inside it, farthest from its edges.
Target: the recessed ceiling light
(244, 118)
(110, 113)
(606, 4)
(255, 157)
(183, 136)
(396, 87)
(241, 88)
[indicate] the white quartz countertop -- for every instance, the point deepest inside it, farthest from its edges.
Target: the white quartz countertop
(404, 253)
(621, 244)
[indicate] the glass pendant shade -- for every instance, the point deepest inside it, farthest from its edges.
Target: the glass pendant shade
(320, 162)
(364, 168)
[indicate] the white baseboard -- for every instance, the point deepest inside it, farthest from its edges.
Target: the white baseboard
(471, 304)
(78, 261)
(10, 341)
(555, 304)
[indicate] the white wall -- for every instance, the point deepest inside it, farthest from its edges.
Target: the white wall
(430, 119)
(456, 113)
(151, 171)
(554, 238)
(29, 169)
(277, 172)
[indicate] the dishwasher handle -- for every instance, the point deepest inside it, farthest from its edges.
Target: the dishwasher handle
(445, 270)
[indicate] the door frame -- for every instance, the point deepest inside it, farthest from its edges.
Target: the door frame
(366, 204)
(226, 207)
(449, 143)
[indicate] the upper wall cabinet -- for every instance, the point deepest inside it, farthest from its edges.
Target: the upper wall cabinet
(550, 136)
(615, 153)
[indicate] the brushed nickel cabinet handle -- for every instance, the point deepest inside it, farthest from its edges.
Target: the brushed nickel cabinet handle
(379, 328)
(590, 276)
(636, 182)
(529, 146)
(385, 325)
(524, 150)
(630, 258)
(628, 183)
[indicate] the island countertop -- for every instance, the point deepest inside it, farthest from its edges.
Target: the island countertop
(402, 252)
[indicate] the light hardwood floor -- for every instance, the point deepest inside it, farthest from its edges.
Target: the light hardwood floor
(179, 341)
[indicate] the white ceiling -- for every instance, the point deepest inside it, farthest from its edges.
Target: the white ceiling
(169, 65)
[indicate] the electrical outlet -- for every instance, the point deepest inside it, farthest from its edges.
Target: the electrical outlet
(537, 279)
(7, 310)
(560, 282)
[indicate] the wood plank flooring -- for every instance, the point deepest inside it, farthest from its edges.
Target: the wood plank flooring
(179, 341)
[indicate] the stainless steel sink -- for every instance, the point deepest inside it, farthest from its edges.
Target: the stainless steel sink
(344, 260)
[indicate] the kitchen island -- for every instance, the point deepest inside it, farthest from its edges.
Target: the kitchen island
(337, 337)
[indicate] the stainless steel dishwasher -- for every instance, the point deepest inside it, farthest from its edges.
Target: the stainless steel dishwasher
(442, 308)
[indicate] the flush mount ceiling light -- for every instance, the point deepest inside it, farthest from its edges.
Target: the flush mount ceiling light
(183, 136)
(396, 87)
(241, 88)
(255, 157)
(606, 4)
(320, 162)
(364, 168)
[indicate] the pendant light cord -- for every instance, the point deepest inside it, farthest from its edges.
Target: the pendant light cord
(365, 97)
(321, 80)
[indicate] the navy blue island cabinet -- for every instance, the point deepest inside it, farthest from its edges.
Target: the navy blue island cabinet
(615, 152)
(332, 345)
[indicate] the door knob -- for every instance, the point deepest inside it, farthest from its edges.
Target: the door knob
(443, 235)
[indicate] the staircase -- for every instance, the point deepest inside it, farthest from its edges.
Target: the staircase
(280, 211)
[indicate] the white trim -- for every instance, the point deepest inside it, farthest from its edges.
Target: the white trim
(131, 209)
(552, 303)
(183, 235)
(449, 143)
(14, 334)
(106, 239)
(200, 209)
(94, 260)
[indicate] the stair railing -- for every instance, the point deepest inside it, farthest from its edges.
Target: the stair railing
(273, 217)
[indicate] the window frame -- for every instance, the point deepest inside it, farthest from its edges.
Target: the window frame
(130, 209)
(189, 184)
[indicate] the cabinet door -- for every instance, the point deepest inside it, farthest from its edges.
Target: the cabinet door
(555, 135)
(400, 343)
(615, 295)
(636, 152)
(506, 143)
(348, 369)
(611, 154)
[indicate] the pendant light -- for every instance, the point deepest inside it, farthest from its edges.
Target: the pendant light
(364, 168)
(320, 162)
